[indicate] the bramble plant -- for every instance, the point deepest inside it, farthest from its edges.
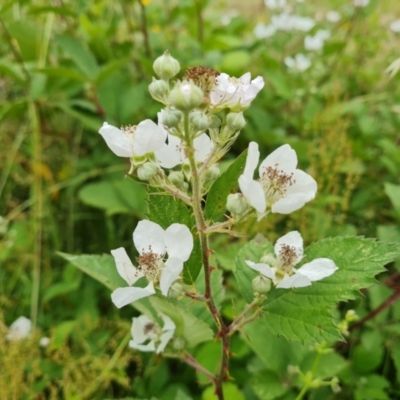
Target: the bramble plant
(289, 291)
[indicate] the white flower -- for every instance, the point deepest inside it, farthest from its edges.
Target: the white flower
(173, 153)
(360, 3)
(130, 141)
(262, 31)
(281, 186)
(289, 252)
(298, 63)
(316, 42)
(333, 16)
(288, 22)
(393, 68)
(19, 329)
(152, 243)
(273, 4)
(235, 93)
(44, 341)
(145, 330)
(395, 26)
(303, 24)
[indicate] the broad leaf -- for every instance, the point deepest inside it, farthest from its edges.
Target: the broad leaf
(303, 314)
(226, 184)
(166, 210)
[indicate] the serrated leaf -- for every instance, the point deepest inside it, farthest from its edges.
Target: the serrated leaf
(226, 184)
(192, 329)
(303, 314)
(267, 385)
(166, 210)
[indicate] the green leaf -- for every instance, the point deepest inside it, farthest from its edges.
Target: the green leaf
(226, 184)
(119, 196)
(192, 329)
(303, 314)
(393, 192)
(80, 55)
(63, 72)
(109, 69)
(166, 210)
(267, 385)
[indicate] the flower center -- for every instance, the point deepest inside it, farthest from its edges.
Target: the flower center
(203, 77)
(151, 330)
(129, 131)
(287, 258)
(151, 264)
(275, 183)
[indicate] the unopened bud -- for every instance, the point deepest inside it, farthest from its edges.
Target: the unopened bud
(268, 259)
(214, 121)
(186, 96)
(166, 67)
(212, 173)
(235, 121)
(261, 284)
(351, 316)
(175, 291)
(335, 385)
(236, 204)
(179, 344)
(159, 89)
(147, 171)
(171, 117)
(178, 179)
(199, 120)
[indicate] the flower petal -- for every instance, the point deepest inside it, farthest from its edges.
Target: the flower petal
(318, 269)
(149, 235)
(294, 281)
(253, 156)
(123, 296)
(165, 338)
(138, 328)
(124, 265)
(19, 329)
(263, 269)
(149, 137)
(170, 154)
(116, 140)
(254, 192)
(292, 239)
(179, 241)
(142, 347)
(284, 158)
(168, 323)
(171, 272)
(203, 147)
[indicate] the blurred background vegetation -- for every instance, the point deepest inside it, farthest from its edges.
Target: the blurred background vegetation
(66, 66)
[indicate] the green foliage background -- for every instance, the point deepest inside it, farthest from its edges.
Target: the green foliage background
(65, 67)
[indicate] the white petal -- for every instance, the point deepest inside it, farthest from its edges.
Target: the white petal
(168, 323)
(149, 137)
(19, 329)
(123, 296)
(170, 154)
(171, 272)
(292, 239)
(303, 183)
(165, 338)
(149, 235)
(253, 155)
(116, 140)
(203, 147)
(318, 269)
(142, 347)
(254, 192)
(284, 158)
(125, 267)
(264, 269)
(179, 241)
(137, 330)
(295, 281)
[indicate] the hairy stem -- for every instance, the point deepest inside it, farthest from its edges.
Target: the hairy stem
(205, 251)
(190, 360)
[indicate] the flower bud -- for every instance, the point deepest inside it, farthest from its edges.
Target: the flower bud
(147, 171)
(261, 284)
(236, 204)
(178, 179)
(158, 89)
(235, 121)
(214, 121)
(171, 117)
(335, 385)
(212, 173)
(199, 120)
(179, 344)
(186, 96)
(166, 67)
(268, 259)
(175, 291)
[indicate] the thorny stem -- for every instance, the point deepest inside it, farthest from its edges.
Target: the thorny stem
(201, 228)
(190, 360)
